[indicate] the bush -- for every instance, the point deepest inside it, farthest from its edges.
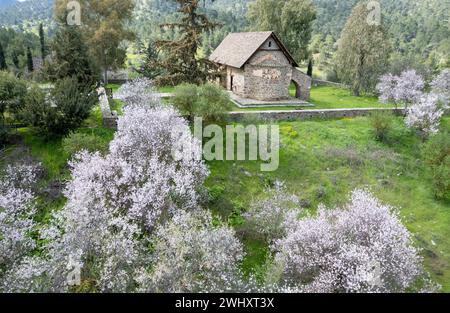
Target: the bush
(382, 124)
(64, 110)
(436, 153)
(208, 101)
(12, 93)
(77, 142)
(213, 103)
(185, 98)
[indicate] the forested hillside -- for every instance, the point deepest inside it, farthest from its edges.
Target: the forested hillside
(418, 29)
(25, 13)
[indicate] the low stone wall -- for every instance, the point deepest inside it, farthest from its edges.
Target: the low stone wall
(307, 114)
(109, 119)
(319, 82)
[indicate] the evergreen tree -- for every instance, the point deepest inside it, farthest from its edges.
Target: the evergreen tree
(15, 60)
(3, 65)
(150, 68)
(181, 63)
(363, 51)
(71, 57)
(104, 30)
(310, 68)
(42, 40)
(30, 65)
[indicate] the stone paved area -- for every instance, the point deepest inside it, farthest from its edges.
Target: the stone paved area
(252, 103)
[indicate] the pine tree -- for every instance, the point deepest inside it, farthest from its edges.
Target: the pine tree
(3, 65)
(363, 51)
(310, 68)
(42, 40)
(181, 63)
(150, 68)
(71, 57)
(30, 65)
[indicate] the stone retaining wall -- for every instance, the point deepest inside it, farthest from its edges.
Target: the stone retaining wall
(311, 114)
(319, 82)
(307, 114)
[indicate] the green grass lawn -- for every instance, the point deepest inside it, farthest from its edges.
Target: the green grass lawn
(116, 105)
(114, 87)
(322, 97)
(322, 162)
(326, 97)
(166, 89)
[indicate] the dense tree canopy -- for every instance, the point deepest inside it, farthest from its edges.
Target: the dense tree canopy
(291, 20)
(104, 29)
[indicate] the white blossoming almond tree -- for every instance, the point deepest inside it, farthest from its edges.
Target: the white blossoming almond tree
(16, 216)
(138, 91)
(361, 248)
(192, 255)
(266, 218)
(425, 115)
(404, 89)
(441, 87)
(122, 204)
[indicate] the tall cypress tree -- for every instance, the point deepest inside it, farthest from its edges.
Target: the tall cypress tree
(181, 63)
(15, 59)
(30, 65)
(310, 68)
(42, 40)
(3, 65)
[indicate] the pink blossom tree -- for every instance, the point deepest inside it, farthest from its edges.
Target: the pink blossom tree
(404, 89)
(115, 202)
(138, 91)
(16, 216)
(267, 217)
(361, 248)
(441, 87)
(425, 115)
(193, 255)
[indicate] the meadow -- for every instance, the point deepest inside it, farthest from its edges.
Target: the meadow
(321, 161)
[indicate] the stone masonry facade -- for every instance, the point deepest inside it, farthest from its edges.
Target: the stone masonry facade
(267, 76)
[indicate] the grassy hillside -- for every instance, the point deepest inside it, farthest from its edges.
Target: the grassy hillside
(321, 162)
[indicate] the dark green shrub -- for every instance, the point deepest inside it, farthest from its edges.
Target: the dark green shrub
(12, 93)
(60, 112)
(436, 153)
(77, 142)
(382, 123)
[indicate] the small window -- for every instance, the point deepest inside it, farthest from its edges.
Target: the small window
(270, 44)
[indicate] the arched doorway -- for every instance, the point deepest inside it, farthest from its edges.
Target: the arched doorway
(294, 89)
